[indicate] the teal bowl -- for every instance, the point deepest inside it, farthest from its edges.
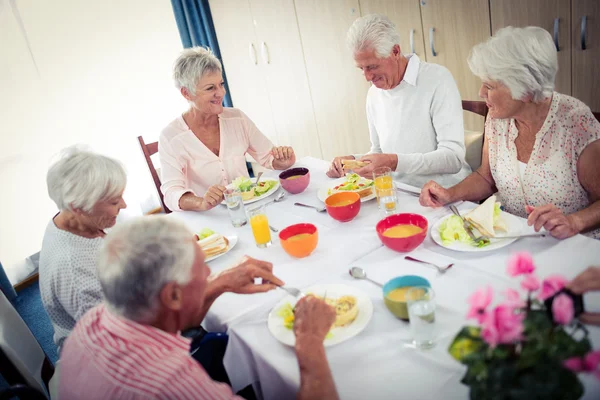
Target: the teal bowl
(400, 308)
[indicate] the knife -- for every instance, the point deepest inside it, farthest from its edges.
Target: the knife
(466, 225)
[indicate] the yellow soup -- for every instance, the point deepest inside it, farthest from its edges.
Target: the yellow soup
(294, 177)
(399, 294)
(342, 203)
(299, 236)
(402, 231)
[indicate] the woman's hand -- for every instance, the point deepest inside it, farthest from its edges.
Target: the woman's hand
(212, 197)
(336, 169)
(549, 217)
(587, 281)
(284, 157)
(433, 195)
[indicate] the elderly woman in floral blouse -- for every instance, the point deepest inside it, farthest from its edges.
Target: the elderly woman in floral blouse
(542, 148)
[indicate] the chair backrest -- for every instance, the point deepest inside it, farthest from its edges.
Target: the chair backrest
(22, 359)
(474, 139)
(597, 115)
(477, 107)
(22, 392)
(148, 150)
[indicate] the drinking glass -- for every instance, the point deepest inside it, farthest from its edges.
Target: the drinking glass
(260, 226)
(421, 314)
(382, 178)
(235, 205)
(387, 198)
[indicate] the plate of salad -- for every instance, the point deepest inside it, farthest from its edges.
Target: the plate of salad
(349, 183)
(250, 194)
(450, 233)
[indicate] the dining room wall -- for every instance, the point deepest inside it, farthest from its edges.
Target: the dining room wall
(78, 72)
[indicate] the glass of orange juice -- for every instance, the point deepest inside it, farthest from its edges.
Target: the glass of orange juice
(382, 179)
(260, 226)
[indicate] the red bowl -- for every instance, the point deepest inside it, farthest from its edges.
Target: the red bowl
(343, 213)
(300, 246)
(406, 244)
(296, 185)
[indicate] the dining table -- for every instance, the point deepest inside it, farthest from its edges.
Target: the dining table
(380, 362)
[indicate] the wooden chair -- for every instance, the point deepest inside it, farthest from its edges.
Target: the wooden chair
(474, 139)
(148, 150)
(597, 115)
(477, 107)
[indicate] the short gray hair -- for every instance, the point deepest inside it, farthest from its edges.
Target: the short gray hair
(80, 179)
(374, 32)
(192, 64)
(138, 258)
(522, 59)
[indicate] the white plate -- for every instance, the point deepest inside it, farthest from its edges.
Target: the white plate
(232, 242)
(337, 335)
(322, 193)
(262, 196)
(514, 225)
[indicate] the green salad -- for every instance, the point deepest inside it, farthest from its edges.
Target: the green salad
(204, 233)
(452, 230)
(244, 184)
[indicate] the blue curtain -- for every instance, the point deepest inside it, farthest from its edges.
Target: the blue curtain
(196, 28)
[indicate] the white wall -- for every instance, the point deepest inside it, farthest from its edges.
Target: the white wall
(78, 71)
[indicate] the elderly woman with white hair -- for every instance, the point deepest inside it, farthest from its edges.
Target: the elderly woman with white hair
(88, 191)
(204, 149)
(542, 148)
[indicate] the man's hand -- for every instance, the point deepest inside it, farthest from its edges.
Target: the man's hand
(313, 318)
(336, 169)
(240, 279)
(284, 157)
(552, 219)
(433, 195)
(375, 161)
(212, 197)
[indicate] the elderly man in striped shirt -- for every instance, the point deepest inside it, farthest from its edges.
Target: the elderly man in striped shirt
(156, 284)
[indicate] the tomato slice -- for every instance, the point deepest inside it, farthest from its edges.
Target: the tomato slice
(361, 184)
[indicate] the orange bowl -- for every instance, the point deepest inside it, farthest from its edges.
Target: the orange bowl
(405, 244)
(299, 240)
(349, 208)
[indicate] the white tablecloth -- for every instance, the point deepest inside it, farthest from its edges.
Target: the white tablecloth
(379, 362)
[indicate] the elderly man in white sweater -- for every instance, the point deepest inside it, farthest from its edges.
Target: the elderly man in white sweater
(413, 109)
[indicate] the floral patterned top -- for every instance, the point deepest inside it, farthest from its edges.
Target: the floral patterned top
(551, 173)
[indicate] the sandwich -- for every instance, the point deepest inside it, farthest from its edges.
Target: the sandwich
(486, 218)
(346, 310)
(212, 243)
(353, 164)
(354, 183)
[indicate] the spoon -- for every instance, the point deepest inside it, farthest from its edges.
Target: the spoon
(279, 197)
(319, 209)
(441, 270)
(359, 273)
(273, 229)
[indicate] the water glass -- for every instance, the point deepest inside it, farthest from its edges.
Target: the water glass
(235, 206)
(387, 198)
(421, 314)
(260, 226)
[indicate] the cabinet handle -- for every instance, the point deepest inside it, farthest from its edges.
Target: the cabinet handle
(556, 20)
(265, 53)
(252, 53)
(583, 32)
(412, 41)
(431, 30)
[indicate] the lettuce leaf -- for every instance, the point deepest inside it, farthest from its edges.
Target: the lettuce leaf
(497, 211)
(263, 187)
(204, 233)
(452, 230)
(287, 313)
(242, 184)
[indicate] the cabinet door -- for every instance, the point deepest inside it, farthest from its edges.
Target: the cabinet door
(458, 26)
(241, 59)
(338, 88)
(542, 13)
(282, 61)
(406, 15)
(586, 78)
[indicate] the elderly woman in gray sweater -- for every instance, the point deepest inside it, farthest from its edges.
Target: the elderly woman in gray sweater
(88, 191)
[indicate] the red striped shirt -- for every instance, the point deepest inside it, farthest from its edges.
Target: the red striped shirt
(109, 357)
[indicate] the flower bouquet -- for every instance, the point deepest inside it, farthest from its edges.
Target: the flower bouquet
(525, 347)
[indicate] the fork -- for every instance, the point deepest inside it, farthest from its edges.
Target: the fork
(319, 209)
(441, 270)
(293, 291)
(467, 226)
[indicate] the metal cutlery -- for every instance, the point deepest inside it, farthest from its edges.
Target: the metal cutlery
(359, 273)
(441, 270)
(273, 229)
(293, 291)
(319, 209)
(467, 226)
(257, 179)
(532, 235)
(410, 192)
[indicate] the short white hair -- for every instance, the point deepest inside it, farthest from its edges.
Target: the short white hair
(80, 179)
(138, 258)
(192, 64)
(522, 59)
(373, 32)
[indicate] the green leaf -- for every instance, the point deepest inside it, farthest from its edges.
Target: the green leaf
(466, 343)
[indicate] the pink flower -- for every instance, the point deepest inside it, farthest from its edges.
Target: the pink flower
(589, 363)
(502, 326)
(530, 283)
(519, 264)
(562, 309)
(551, 285)
(479, 301)
(513, 299)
